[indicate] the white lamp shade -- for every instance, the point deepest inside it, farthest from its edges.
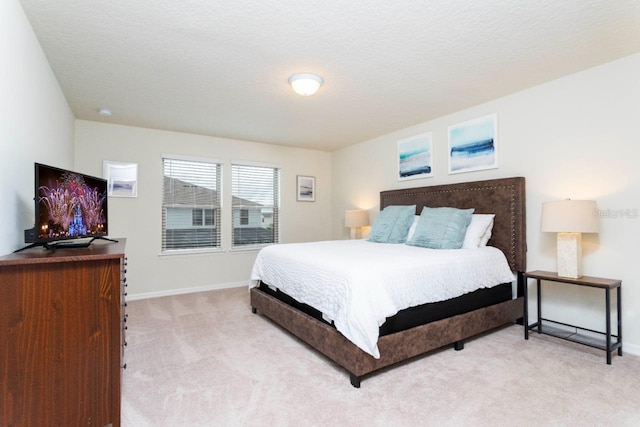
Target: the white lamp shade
(305, 84)
(356, 218)
(570, 216)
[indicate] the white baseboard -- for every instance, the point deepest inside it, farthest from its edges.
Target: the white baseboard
(630, 348)
(172, 292)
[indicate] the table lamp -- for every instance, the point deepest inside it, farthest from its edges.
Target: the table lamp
(356, 219)
(570, 218)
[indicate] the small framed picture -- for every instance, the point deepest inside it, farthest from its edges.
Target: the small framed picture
(122, 178)
(473, 145)
(415, 157)
(306, 188)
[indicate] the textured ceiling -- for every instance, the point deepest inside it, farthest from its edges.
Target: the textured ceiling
(220, 68)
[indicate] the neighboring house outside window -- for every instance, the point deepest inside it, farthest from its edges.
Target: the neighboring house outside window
(256, 204)
(191, 204)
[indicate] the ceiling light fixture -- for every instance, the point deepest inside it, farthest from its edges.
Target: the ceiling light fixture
(104, 112)
(305, 84)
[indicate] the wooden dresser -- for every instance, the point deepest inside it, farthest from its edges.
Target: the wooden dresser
(62, 325)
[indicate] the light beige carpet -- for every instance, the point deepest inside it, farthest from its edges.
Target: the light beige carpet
(205, 360)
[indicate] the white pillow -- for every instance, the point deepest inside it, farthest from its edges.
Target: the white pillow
(479, 231)
(412, 229)
(487, 234)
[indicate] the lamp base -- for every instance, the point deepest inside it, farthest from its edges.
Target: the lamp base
(356, 232)
(569, 247)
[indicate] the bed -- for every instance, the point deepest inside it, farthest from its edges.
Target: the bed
(420, 329)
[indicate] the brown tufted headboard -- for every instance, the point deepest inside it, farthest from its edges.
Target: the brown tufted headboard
(503, 197)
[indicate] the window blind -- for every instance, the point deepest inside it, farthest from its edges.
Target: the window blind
(256, 204)
(191, 204)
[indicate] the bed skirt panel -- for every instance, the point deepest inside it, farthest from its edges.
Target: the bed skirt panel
(394, 347)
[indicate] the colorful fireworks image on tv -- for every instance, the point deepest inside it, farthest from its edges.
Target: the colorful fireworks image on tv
(70, 208)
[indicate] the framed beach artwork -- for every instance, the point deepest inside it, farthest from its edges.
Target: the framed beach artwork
(306, 188)
(473, 145)
(415, 157)
(122, 178)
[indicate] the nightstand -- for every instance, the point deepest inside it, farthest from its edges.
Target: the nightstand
(596, 339)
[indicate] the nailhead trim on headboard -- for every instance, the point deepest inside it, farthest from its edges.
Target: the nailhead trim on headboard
(504, 197)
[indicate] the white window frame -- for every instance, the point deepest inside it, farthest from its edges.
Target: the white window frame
(275, 204)
(218, 222)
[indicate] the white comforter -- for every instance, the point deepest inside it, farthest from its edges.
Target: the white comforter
(358, 284)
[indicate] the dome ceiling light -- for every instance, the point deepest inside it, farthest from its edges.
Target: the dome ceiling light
(305, 84)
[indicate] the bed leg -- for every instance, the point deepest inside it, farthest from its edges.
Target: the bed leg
(458, 345)
(254, 310)
(355, 380)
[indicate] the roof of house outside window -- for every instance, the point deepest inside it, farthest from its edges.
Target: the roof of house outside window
(185, 194)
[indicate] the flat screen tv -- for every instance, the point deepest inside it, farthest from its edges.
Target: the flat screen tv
(68, 205)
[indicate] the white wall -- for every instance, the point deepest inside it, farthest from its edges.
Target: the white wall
(574, 137)
(139, 219)
(36, 123)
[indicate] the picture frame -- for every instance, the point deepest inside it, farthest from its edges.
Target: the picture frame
(473, 145)
(122, 178)
(305, 188)
(415, 157)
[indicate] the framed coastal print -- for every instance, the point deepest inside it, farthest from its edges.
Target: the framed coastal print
(122, 178)
(415, 157)
(473, 145)
(306, 188)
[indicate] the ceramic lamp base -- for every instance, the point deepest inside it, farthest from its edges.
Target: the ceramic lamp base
(356, 232)
(569, 247)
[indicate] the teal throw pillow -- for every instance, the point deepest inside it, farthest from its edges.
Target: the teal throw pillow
(441, 228)
(392, 224)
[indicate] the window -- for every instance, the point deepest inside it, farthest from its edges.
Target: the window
(256, 202)
(210, 217)
(244, 216)
(196, 217)
(203, 217)
(190, 204)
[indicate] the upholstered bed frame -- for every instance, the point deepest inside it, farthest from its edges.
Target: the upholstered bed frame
(503, 197)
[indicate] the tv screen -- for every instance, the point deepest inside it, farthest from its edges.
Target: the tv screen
(69, 205)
